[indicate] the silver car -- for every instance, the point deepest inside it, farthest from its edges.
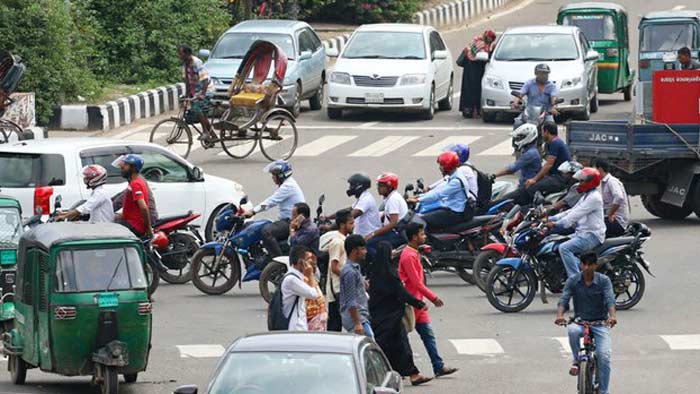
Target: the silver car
(306, 70)
(563, 48)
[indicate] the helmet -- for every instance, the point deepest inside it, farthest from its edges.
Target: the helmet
(389, 179)
(570, 167)
(357, 184)
(588, 178)
(280, 169)
(448, 161)
(524, 135)
(135, 160)
(461, 150)
(543, 68)
(94, 175)
(160, 240)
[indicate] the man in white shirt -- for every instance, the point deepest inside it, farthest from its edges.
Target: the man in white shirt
(395, 209)
(337, 257)
(99, 204)
(295, 291)
(614, 201)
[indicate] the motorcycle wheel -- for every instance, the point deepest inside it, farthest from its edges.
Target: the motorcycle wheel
(271, 279)
(181, 249)
(483, 265)
(501, 293)
(621, 288)
(152, 280)
(205, 277)
(466, 275)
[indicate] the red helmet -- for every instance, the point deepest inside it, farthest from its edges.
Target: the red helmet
(389, 179)
(160, 240)
(448, 161)
(94, 175)
(588, 178)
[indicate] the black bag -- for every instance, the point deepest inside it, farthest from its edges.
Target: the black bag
(461, 59)
(276, 320)
(483, 197)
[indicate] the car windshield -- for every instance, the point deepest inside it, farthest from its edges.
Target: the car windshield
(10, 228)
(594, 27)
(385, 45)
(289, 373)
(235, 45)
(667, 37)
(537, 47)
(26, 170)
(85, 270)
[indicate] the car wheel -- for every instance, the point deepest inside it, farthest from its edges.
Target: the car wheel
(209, 230)
(334, 113)
(429, 113)
(316, 101)
(627, 92)
(594, 104)
(295, 108)
(586, 113)
(446, 103)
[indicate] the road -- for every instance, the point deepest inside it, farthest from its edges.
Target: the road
(655, 347)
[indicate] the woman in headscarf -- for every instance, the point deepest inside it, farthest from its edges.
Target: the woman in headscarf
(470, 99)
(387, 306)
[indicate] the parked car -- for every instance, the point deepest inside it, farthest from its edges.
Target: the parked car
(306, 71)
(564, 49)
(302, 363)
(35, 171)
(392, 66)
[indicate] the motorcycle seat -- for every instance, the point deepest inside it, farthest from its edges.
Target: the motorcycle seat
(166, 219)
(609, 243)
(475, 222)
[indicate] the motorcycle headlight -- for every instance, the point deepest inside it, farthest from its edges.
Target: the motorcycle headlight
(495, 82)
(413, 79)
(571, 82)
(340, 78)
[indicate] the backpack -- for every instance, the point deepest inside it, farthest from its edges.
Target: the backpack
(276, 320)
(483, 197)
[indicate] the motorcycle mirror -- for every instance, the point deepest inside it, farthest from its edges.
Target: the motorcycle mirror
(57, 202)
(409, 187)
(321, 199)
(244, 200)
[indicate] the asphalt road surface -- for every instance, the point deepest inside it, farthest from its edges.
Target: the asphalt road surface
(656, 346)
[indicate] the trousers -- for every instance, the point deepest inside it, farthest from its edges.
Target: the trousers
(603, 350)
(576, 245)
(443, 218)
(273, 232)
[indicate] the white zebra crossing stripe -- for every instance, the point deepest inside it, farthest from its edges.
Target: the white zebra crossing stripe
(322, 145)
(564, 347)
(476, 347)
(682, 342)
(200, 351)
(384, 146)
(505, 148)
(437, 148)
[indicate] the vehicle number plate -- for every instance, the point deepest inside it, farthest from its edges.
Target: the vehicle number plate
(374, 98)
(107, 300)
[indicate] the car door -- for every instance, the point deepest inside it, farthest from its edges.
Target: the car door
(319, 58)
(440, 66)
(305, 66)
(590, 68)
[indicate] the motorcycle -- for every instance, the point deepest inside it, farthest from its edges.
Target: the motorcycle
(535, 115)
(513, 282)
(183, 241)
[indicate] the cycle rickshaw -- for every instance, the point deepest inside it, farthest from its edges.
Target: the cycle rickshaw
(252, 116)
(11, 72)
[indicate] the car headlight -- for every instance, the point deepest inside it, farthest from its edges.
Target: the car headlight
(341, 78)
(413, 79)
(571, 82)
(495, 82)
(216, 81)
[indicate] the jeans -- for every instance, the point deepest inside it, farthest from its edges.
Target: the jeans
(443, 218)
(428, 337)
(273, 232)
(613, 229)
(603, 351)
(576, 245)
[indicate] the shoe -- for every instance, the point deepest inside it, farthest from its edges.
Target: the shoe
(467, 114)
(446, 371)
(420, 380)
(253, 273)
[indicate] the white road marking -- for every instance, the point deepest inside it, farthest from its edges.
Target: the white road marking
(406, 128)
(323, 144)
(505, 148)
(437, 148)
(367, 125)
(682, 342)
(678, 8)
(475, 347)
(564, 347)
(384, 146)
(200, 351)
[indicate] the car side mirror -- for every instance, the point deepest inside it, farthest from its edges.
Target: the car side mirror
(321, 199)
(440, 55)
(306, 55)
(332, 52)
(592, 55)
(197, 174)
(204, 54)
(189, 389)
(482, 56)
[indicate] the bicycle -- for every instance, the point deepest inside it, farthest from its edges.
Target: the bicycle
(7, 127)
(587, 360)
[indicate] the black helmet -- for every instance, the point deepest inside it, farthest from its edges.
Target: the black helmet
(542, 68)
(357, 184)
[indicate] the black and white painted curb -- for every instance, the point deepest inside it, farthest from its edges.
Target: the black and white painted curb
(117, 113)
(456, 12)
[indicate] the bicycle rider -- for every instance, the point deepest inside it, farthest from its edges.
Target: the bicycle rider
(198, 88)
(594, 300)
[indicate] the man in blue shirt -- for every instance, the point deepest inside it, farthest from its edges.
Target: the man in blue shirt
(354, 302)
(539, 91)
(451, 196)
(594, 301)
(529, 163)
(548, 179)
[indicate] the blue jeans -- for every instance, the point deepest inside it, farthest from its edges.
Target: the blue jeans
(368, 329)
(603, 351)
(576, 245)
(428, 337)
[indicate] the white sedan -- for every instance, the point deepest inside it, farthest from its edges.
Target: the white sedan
(392, 67)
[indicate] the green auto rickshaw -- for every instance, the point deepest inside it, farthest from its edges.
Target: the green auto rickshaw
(81, 304)
(605, 27)
(11, 230)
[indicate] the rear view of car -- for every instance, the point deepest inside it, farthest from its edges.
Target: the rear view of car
(32, 178)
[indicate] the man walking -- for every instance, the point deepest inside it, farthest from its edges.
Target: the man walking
(336, 261)
(295, 291)
(411, 273)
(354, 308)
(614, 201)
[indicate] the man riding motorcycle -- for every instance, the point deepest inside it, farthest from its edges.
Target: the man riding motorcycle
(395, 208)
(465, 168)
(529, 163)
(135, 214)
(287, 194)
(548, 179)
(98, 205)
(567, 171)
(364, 210)
(540, 91)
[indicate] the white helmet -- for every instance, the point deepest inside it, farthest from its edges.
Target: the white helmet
(570, 167)
(524, 135)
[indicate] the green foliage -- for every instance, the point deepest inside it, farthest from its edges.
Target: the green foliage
(370, 11)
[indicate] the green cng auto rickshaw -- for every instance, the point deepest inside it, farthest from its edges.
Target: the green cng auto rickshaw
(81, 305)
(11, 230)
(605, 27)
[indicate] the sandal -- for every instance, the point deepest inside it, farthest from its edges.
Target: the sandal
(574, 370)
(446, 371)
(420, 380)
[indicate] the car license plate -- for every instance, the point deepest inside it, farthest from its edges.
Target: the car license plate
(374, 98)
(107, 300)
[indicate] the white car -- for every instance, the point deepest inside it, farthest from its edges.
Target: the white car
(36, 171)
(392, 66)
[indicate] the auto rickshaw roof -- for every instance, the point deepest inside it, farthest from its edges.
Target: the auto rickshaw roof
(682, 14)
(591, 5)
(7, 201)
(51, 234)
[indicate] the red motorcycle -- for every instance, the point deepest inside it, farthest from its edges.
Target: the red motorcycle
(183, 241)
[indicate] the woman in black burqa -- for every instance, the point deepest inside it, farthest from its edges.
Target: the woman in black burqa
(470, 96)
(387, 305)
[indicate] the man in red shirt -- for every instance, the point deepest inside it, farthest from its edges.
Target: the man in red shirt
(411, 273)
(135, 215)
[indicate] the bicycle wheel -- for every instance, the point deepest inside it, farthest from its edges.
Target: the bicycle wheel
(174, 134)
(7, 127)
(3, 137)
(237, 147)
(278, 138)
(585, 378)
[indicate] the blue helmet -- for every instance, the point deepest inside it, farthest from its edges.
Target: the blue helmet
(135, 160)
(461, 150)
(280, 169)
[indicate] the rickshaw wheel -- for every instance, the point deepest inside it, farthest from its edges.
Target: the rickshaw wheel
(110, 380)
(278, 140)
(176, 136)
(18, 370)
(130, 377)
(237, 147)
